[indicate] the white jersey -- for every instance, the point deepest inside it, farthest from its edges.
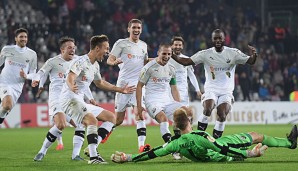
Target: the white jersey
(133, 56)
(14, 59)
(220, 67)
(181, 74)
(157, 79)
(56, 69)
(86, 72)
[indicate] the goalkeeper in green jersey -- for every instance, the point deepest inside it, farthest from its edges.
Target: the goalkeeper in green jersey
(199, 146)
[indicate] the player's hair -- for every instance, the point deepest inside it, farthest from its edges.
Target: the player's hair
(65, 39)
(180, 118)
(20, 30)
(218, 31)
(134, 21)
(177, 38)
(98, 40)
(164, 45)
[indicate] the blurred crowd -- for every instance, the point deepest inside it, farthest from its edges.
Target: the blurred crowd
(272, 78)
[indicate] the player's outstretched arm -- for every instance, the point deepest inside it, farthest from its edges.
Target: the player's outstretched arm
(182, 61)
(110, 87)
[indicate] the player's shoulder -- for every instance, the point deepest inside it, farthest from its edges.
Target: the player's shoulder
(183, 56)
(142, 42)
(31, 51)
(230, 49)
(120, 42)
(171, 66)
(8, 47)
(151, 64)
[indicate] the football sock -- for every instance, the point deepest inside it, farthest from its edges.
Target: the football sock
(78, 140)
(177, 132)
(92, 141)
(202, 122)
(3, 114)
(104, 130)
(218, 129)
(141, 132)
(50, 138)
(276, 142)
(165, 132)
(59, 139)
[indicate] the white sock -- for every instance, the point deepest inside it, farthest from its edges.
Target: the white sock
(219, 126)
(142, 138)
(92, 132)
(164, 128)
(59, 139)
(77, 145)
(203, 118)
(46, 144)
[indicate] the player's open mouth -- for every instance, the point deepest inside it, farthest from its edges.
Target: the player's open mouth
(136, 33)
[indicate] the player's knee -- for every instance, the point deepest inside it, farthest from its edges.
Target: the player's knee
(207, 111)
(7, 107)
(119, 122)
(61, 126)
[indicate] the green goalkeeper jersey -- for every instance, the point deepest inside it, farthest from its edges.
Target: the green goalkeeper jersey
(201, 146)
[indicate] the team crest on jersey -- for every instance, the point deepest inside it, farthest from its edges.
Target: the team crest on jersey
(153, 110)
(228, 74)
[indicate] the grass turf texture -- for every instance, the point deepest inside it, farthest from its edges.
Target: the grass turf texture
(19, 146)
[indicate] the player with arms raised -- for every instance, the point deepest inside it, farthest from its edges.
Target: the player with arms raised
(219, 63)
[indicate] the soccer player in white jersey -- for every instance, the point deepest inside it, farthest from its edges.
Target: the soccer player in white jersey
(130, 55)
(56, 68)
(82, 71)
(20, 63)
(156, 76)
(219, 63)
(182, 73)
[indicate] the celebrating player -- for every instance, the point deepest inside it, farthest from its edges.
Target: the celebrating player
(130, 55)
(219, 63)
(16, 59)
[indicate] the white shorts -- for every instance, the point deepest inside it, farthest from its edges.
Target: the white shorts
(95, 110)
(218, 98)
(8, 91)
(54, 107)
(74, 108)
(153, 108)
(123, 101)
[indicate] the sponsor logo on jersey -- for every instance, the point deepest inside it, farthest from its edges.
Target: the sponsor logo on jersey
(129, 56)
(16, 64)
(27, 60)
(160, 80)
(61, 75)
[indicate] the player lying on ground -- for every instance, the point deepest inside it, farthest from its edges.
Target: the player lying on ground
(201, 146)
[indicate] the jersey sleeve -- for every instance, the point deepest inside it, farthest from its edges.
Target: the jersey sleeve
(97, 75)
(192, 78)
(198, 57)
(2, 56)
(240, 57)
(117, 49)
(145, 75)
(76, 67)
(47, 67)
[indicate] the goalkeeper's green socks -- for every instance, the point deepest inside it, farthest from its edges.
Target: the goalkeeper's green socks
(276, 142)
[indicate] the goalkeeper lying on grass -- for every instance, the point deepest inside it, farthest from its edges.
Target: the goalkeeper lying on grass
(199, 146)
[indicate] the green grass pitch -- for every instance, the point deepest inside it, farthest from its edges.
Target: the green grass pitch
(19, 146)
